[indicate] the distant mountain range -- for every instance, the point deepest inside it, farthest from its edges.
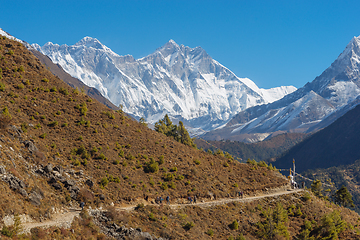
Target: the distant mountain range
(184, 82)
(310, 108)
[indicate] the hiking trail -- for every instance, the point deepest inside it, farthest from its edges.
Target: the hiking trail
(65, 219)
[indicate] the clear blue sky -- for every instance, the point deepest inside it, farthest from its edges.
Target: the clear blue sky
(273, 43)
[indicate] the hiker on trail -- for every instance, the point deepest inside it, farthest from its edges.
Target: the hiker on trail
(190, 200)
(195, 199)
(82, 204)
(168, 199)
(161, 199)
(303, 185)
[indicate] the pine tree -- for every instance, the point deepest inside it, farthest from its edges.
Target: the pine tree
(179, 133)
(316, 188)
(274, 223)
(343, 197)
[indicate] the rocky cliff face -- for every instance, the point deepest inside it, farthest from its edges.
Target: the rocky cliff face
(314, 106)
(184, 82)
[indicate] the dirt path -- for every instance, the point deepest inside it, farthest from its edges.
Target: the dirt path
(60, 220)
(219, 201)
(65, 219)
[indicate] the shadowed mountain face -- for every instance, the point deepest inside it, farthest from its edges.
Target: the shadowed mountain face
(186, 83)
(337, 144)
(314, 106)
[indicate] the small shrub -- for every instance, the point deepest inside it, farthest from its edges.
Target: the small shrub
(234, 225)
(2, 87)
(121, 153)
(210, 232)
(262, 164)
(172, 185)
(197, 162)
(43, 136)
(151, 167)
(168, 177)
(76, 162)
(24, 127)
(64, 91)
(188, 225)
(140, 206)
(179, 177)
(306, 196)
(45, 80)
(108, 114)
(152, 217)
(102, 156)
(104, 181)
(83, 108)
(6, 113)
(161, 160)
(53, 124)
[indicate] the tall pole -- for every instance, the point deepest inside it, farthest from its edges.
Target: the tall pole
(294, 168)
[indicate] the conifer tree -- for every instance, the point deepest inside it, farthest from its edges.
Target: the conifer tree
(343, 197)
(316, 188)
(179, 133)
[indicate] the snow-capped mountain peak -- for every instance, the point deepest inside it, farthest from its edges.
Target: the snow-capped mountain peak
(311, 107)
(91, 43)
(184, 82)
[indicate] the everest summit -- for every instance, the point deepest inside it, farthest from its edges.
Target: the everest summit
(184, 82)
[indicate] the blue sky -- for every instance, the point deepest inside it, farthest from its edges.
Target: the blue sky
(273, 43)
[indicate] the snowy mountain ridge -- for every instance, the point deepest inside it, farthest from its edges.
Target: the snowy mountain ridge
(314, 106)
(184, 82)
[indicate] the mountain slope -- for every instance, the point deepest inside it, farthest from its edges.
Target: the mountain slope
(335, 145)
(259, 151)
(184, 82)
(334, 91)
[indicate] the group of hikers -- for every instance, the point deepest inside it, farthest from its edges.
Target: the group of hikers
(295, 185)
(192, 199)
(159, 200)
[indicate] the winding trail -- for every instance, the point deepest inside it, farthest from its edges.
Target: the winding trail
(65, 219)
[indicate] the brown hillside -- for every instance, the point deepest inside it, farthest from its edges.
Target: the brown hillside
(76, 132)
